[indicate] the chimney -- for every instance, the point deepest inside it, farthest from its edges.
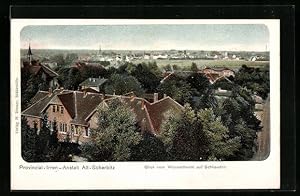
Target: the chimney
(155, 97)
(143, 104)
(90, 79)
(50, 91)
(132, 98)
(165, 95)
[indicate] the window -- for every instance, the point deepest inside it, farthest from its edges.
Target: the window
(76, 130)
(53, 108)
(72, 128)
(54, 125)
(61, 110)
(87, 132)
(63, 127)
(50, 124)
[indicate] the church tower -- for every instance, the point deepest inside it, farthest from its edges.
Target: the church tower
(29, 55)
(99, 51)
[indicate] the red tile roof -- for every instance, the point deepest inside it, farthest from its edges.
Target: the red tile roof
(37, 108)
(36, 67)
(78, 104)
(153, 113)
(38, 96)
(157, 110)
(81, 106)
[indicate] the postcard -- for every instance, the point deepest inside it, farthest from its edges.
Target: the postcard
(115, 104)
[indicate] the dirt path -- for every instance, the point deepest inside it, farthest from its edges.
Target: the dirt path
(263, 137)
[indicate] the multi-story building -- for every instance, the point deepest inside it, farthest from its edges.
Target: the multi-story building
(75, 112)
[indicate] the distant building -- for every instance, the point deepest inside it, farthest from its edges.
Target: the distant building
(160, 56)
(95, 84)
(215, 74)
(147, 56)
(34, 67)
(212, 74)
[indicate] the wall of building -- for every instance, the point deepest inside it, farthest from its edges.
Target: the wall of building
(93, 122)
(32, 120)
(74, 136)
(58, 116)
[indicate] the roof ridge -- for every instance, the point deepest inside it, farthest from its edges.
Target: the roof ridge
(160, 100)
(75, 103)
(165, 98)
(34, 104)
(43, 91)
(135, 97)
(100, 94)
(150, 119)
(49, 69)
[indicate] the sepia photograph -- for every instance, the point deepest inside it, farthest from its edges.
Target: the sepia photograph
(168, 99)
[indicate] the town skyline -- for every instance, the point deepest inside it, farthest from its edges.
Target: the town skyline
(214, 37)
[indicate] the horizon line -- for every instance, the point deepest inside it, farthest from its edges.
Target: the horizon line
(145, 49)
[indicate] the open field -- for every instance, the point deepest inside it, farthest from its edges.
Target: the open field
(201, 63)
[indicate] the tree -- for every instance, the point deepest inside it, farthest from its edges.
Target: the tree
(29, 141)
(59, 59)
(43, 139)
(237, 113)
(105, 63)
(115, 136)
(148, 79)
(224, 84)
(221, 146)
(122, 84)
(179, 90)
(197, 136)
(149, 149)
(167, 67)
(154, 68)
(31, 84)
(199, 82)
(70, 58)
(194, 67)
(70, 78)
(183, 137)
(255, 79)
(92, 72)
(53, 140)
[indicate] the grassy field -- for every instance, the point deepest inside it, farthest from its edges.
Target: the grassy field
(201, 63)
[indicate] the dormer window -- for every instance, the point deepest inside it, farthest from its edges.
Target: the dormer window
(87, 132)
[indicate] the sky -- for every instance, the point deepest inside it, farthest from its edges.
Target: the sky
(230, 37)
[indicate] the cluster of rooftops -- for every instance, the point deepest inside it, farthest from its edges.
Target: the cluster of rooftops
(81, 106)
